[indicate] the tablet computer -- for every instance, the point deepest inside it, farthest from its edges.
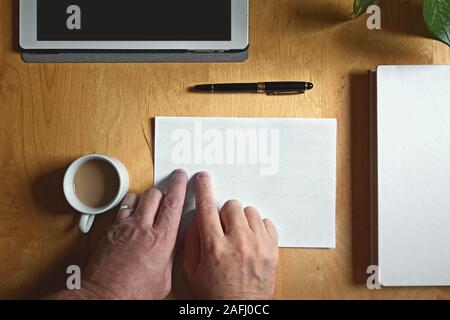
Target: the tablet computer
(133, 25)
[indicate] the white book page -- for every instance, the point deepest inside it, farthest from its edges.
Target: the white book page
(413, 175)
(286, 168)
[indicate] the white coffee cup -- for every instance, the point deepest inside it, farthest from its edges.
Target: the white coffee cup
(89, 213)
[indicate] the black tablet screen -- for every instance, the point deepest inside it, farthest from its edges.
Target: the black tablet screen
(134, 20)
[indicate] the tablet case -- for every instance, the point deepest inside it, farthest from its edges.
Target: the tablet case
(134, 57)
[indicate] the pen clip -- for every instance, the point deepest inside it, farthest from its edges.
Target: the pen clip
(279, 93)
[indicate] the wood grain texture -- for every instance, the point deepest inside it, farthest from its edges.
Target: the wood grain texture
(51, 114)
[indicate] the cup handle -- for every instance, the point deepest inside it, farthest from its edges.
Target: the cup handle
(86, 221)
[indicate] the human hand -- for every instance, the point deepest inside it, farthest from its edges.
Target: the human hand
(232, 254)
(134, 260)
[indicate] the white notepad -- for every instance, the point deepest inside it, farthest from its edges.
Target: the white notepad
(284, 167)
(413, 175)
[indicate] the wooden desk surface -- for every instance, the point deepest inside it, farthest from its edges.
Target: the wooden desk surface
(51, 114)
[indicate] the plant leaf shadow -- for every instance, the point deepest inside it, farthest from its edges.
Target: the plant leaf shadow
(403, 17)
(320, 15)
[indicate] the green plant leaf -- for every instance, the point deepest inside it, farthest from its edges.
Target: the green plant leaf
(437, 18)
(360, 7)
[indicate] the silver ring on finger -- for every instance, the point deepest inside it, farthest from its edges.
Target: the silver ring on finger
(127, 207)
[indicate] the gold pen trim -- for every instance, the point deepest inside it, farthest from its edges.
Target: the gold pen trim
(261, 87)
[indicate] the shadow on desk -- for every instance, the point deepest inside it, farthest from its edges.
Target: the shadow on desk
(403, 17)
(315, 16)
(49, 195)
(397, 16)
(360, 174)
(63, 239)
(15, 25)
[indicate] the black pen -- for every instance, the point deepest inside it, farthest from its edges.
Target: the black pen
(270, 88)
